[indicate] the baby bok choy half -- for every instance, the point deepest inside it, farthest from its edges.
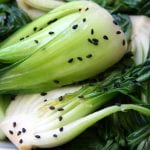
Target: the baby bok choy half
(36, 120)
(71, 43)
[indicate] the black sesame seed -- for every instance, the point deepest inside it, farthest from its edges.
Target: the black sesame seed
(55, 135)
(51, 32)
(80, 9)
(20, 141)
(84, 19)
(14, 124)
(115, 22)
(94, 43)
(37, 136)
(45, 100)
(92, 31)
(35, 28)
(60, 98)
(21, 38)
(70, 60)
(75, 26)
(118, 32)
(61, 129)
(105, 37)
(60, 118)
(95, 40)
(86, 9)
(123, 42)
(51, 107)
(11, 132)
(56, 81)
(19, 132)
(27, 36)
(79, 58)
(60, 109)
(52, 21)
(80, 96)
(89, 40)
(23, 130)
(36, 41)
(89, 56)
(43, 93)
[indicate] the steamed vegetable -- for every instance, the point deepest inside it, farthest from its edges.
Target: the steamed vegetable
(80, 41)
(30, 137)
(38, 121)
(11, 19)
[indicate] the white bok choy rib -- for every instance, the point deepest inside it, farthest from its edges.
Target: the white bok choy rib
(81, 38)
(140, 39)
(37, 121)
(37, 130)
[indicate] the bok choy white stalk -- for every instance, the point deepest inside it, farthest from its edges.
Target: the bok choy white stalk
(140, 39)
(76, 37)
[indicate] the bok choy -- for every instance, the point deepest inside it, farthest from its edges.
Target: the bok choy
(39, 121)
(76, 37)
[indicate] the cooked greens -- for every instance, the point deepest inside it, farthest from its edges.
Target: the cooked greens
(43, 122)
(138, 7)
(76, 37)
(11, 19)
(65, 46)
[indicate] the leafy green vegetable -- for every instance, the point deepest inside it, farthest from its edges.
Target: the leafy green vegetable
(46, 118)
(140, 46)
(62, 53)
(11, 19)
(138, 7)
(140, 138)
(4, 1)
